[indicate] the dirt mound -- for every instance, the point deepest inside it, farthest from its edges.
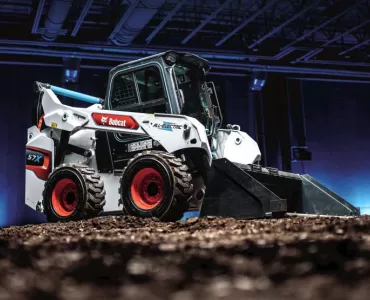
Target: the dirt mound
(211, 258)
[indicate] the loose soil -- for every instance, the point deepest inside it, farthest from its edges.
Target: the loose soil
(211, 258)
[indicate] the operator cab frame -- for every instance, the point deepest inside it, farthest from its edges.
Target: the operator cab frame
(170, 82)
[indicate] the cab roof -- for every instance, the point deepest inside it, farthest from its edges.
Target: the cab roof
(182, 57)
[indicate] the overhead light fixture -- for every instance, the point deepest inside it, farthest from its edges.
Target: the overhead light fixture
(71, 70)
(258, 81)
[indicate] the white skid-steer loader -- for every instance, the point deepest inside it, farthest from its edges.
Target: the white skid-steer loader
(154, 147)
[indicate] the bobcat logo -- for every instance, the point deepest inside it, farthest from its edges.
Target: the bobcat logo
(104, 120)
(117, 121)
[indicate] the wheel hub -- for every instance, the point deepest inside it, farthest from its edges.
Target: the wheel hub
(152, 189)
(65, 197)
(147, 188)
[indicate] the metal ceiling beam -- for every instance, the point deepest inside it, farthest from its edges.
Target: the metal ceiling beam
(36, 22)
(280, 27)
(324, 24)
(225, 55)
(246, 22)
(124, 17)
(132, 52)
(313, 52)
(346, 32)
(205, 22)
(164, 21)
(95, 67)
(339, 63)
(216, 64)
(283, 53)
(365, 42)
(82, 16)
(308, 55)
(330, 80)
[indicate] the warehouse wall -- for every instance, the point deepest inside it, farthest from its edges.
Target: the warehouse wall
(338, 134)
(16, 93)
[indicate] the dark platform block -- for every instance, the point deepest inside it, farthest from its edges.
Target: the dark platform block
(250, 191)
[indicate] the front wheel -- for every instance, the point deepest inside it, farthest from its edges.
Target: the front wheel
(156, 184)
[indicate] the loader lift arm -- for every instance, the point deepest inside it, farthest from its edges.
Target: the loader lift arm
(186, 132)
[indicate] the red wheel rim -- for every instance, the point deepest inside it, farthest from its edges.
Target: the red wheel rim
(147, 189)
(64, 197)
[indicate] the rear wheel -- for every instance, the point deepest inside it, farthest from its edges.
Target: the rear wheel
(73, 192)
(156, 184)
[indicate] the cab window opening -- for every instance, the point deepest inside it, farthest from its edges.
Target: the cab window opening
(140, 91)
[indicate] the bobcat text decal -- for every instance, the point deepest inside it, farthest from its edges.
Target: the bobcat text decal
(118, 121)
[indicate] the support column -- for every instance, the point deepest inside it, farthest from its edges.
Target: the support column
(251, 114)
(297, 119)
(277, 128)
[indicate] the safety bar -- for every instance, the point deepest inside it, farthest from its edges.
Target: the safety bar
(68, 93)
(76, 95)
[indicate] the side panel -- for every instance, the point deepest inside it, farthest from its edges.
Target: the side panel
(34, 188)
(39, 164)
(124, 150)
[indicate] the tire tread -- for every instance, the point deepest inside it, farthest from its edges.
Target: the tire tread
(95, 191)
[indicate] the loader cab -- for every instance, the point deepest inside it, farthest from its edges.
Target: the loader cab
(170, 82)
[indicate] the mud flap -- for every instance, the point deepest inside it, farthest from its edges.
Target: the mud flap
(250, 191)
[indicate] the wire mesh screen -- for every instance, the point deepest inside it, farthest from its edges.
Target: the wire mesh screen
(124, 91)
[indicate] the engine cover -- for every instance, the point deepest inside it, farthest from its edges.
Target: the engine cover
(237, 146)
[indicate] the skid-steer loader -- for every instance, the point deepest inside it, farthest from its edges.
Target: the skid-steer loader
(154, 147)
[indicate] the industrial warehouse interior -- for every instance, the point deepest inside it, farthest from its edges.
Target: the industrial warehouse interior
(280, 86)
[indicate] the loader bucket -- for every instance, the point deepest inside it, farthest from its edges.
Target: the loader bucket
(250, 191)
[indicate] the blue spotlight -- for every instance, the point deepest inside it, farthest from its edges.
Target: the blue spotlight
(71, 70)
(258, 81)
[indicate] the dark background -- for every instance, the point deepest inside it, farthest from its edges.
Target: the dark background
(338, 134)
(314, 56)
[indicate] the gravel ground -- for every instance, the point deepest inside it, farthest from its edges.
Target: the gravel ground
(211, 258)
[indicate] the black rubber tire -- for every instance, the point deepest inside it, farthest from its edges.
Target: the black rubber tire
(90, 187)
(177, 185)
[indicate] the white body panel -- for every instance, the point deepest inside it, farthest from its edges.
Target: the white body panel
(34, 190)
(237, 146)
